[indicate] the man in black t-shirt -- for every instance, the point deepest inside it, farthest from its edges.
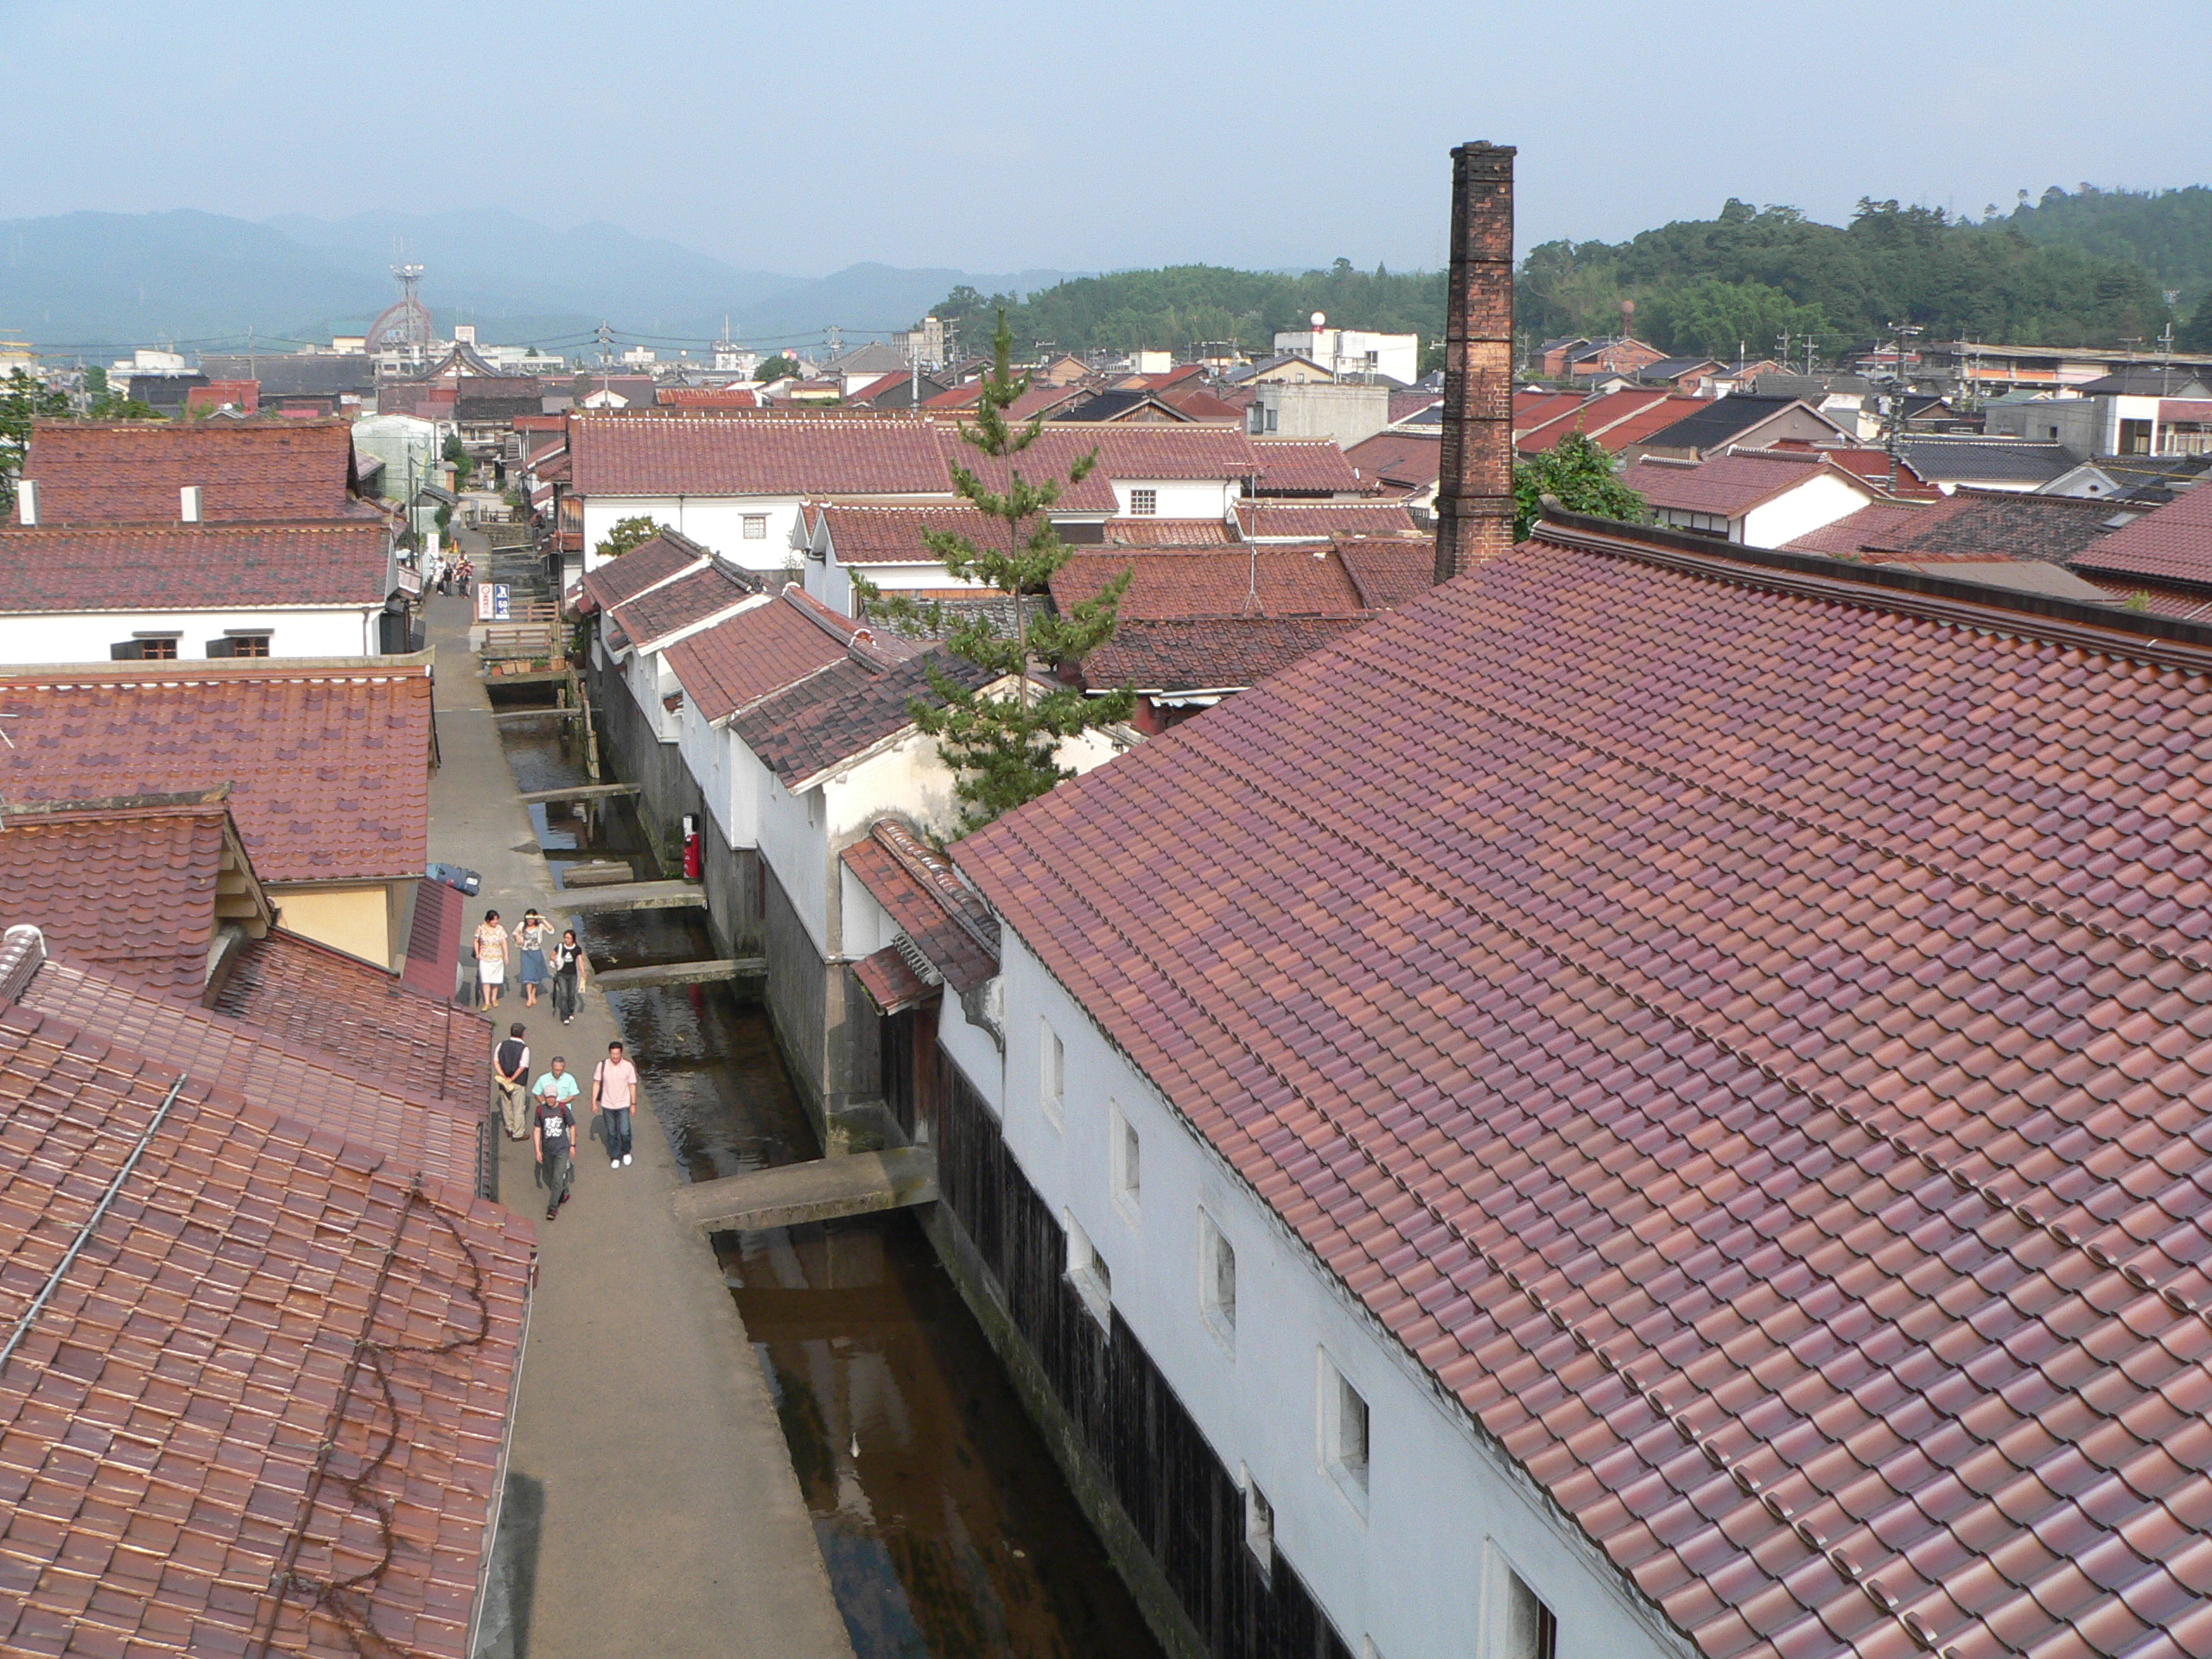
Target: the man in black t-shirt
(553, 1134)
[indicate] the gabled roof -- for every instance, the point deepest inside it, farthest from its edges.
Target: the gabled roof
(948, 923)
(190, 1411)
(768, 453)
(311, 997)
(1731, 485)
(873, 358)
(1778, 1127)
(1404, 458)
(1873, 466)
(247, 471)
(760, 651)
(881, 535)
(1985, 460)
(1120, 403)
(1303, 466)
(1715, 422)
(414, 1133)
(1612, 420)
(2147, 380)
(1849, 536)
(1211, 654)
(649, 565)
(804, 730)
(1387, 571)
(2172, 543)
(137, 887)
(1976, 524)
(712, 590)
(1321, 521)
(327, 761)
(1232, 582)
(193, 567)
(1167, 533)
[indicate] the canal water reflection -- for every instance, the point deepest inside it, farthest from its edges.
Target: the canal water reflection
(946, 1527)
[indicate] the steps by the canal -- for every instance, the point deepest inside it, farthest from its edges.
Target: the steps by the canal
(821, 1189)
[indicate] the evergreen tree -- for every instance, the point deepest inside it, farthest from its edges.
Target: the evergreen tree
(627, 533)
(22, 400)
(1577, 473)
(1004, 742)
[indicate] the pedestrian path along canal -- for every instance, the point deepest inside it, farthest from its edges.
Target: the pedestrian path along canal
(946, 1527)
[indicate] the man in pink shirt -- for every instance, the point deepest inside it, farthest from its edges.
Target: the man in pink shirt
(614, 1096)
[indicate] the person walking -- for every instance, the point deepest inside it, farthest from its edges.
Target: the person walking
(510, 1069)
(553, 1134)
(492, 948)
(614, 1095)
(531, 938)
(567, 965)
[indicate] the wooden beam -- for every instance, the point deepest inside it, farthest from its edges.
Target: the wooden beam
(822, 1189)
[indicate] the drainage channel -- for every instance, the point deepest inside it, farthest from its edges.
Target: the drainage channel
(946, 1526)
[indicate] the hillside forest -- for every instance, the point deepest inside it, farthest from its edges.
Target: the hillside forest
(2088, 267)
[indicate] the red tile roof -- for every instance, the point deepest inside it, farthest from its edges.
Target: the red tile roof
(760, 651)
(430, 1134)
(193, 567)
(805, 730)
(248, 471)
(890, 980)
(1728, 486)
(768, 454)
(1388, 573)
(1983, 524)
(1210, 654)
(1323, 521)
(1780, 1129)
(689, 601)
(1845, 538)
(329, 766)
(646, 566)
(707, 398)
(1873, 466)
(873, 535)
(1168, 533)
(1303, 466)
(933, 908)
(2171, 544)
(1614, 421)
(189, 1419)
(1410, 459)
(128, 887)
(1153, 451)
(309, 997)
(1232, 582)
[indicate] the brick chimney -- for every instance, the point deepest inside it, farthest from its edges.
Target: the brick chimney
(1474, 503)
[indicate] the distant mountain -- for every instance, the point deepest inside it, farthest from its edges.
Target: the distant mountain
(99, 282)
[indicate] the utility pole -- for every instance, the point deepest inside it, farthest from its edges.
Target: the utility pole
(606, 336)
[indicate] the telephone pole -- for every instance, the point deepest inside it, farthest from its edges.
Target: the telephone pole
(1903, 332)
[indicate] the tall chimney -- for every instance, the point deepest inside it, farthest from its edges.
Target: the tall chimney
(1474, 503)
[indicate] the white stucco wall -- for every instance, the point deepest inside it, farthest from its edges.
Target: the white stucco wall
(1181, 498)
(1443, 1507)
(715, 522)
(85, 637)
(1821, 499)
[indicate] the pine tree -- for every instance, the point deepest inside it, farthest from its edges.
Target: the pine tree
(1004, 743)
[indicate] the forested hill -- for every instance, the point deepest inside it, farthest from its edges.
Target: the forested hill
(2086, 268)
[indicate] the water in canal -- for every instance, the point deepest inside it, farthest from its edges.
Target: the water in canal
(946, 1527)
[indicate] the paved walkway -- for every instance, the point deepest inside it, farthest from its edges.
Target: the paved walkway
(651, 1507)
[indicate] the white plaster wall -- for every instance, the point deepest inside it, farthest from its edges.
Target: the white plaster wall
(706, 757)
(1821, 499)
(794, 844)
(830, 582)
(712, 521)
(85, 637)
(975, 1053)
(1408, 1574)
(1181, 498)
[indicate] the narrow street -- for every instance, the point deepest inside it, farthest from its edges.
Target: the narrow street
(650, 1506)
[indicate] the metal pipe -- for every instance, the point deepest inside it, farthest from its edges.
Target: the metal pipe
(84, 1233)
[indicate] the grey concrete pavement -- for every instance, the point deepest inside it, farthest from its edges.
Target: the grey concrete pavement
(651, 1507)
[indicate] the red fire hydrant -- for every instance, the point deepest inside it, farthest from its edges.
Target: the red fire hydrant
(692, 855)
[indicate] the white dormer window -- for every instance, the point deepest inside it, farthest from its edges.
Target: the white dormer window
(1144, 504)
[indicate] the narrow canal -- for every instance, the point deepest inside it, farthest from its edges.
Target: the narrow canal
(946, 1526)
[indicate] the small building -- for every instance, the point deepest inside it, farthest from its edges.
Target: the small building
(1342, 411)
(1755, 497)
(1746, 420)
(1355, 353)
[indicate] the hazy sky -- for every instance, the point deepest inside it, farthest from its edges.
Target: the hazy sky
(801, 137)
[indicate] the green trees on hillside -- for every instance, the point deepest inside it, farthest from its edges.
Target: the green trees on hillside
(2167, 233)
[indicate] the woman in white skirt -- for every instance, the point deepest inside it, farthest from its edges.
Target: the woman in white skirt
(493, 947)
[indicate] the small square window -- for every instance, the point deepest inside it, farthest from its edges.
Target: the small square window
(1051, 1064)
(1259, 1525)
(1344, 1434)
(145, 647)
(1144, 504)
(1126, 1172)
(1087, 1271)
(756, 526)
(1217, 1281)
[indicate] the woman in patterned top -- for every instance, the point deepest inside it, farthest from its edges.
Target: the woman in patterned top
(492, 948)
(533, 937)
